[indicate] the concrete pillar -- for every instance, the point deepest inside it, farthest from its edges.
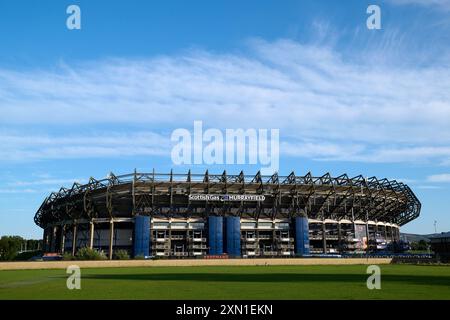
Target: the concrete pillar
(63, 238)
(74, 239)
(339, 237)
(354, 225)
(91, 235)
(53, 244)
(324, 237)
(354, 229)
(111, 239)
(50, 236)
(367, 233)
(44, 240)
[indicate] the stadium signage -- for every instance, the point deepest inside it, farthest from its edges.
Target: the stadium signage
(226, 197)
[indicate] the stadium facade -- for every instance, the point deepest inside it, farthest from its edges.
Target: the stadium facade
(201, 215)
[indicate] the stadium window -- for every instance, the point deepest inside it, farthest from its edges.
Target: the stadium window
(282, 225)
(248, 225)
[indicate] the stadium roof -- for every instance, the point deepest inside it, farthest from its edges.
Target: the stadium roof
(286, 196)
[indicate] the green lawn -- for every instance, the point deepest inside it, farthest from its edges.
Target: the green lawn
(249, 282)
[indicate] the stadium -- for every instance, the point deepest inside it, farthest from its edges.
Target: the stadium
(221, 215)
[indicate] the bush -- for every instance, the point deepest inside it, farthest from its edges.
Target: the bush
(139, 257)
(90, 254)
(67, 257)
(121, 255)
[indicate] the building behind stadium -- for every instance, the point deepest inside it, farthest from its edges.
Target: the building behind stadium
(201, 215)
(440, 244)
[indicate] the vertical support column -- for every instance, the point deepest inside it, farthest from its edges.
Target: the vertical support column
(58, 239)
(233, 236)
(44, 241)
(47, 239)
(367, 234)
(301, 236)
(53, 243)
(324, 237)
(215, 229)
(111, 238)
(74, 239)
(91, 234)
(50, 239)
(339, 237)
(188, 249)
(354, 224)
(170, 243)
(63, 238)
(141, 236)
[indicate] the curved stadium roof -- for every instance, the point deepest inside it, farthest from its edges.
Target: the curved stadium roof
(158, 194)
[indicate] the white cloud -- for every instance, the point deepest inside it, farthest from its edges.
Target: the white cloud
(37, 147)
(444, 177)
(442, 4)
(45, 182)
(326, 106)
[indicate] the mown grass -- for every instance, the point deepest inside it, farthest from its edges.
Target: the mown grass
(237, 282)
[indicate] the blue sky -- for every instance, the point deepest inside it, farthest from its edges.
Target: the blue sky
(80, 103)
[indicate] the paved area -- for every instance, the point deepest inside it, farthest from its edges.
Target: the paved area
(188, 262)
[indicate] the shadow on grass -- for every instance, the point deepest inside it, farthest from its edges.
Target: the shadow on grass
(274, 277)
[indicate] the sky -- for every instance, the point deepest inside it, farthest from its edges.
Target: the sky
(106, 98)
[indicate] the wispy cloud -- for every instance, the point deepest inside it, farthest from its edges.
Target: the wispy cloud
(326, 106)
(45, 182)
(441, 4)
(18, 148)
(444, 177)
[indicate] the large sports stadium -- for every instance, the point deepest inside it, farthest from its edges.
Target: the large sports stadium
(221, 215)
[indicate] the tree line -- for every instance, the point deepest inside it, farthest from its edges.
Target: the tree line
(16, 247)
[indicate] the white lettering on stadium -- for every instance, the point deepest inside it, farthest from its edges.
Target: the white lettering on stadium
(226, 197)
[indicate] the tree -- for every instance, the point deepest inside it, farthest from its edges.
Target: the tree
(9, 247)
(422, 245)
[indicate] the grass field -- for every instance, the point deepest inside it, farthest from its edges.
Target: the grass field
(224, 282)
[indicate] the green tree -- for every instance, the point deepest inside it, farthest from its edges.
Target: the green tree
(9, 247)
(421, 245)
